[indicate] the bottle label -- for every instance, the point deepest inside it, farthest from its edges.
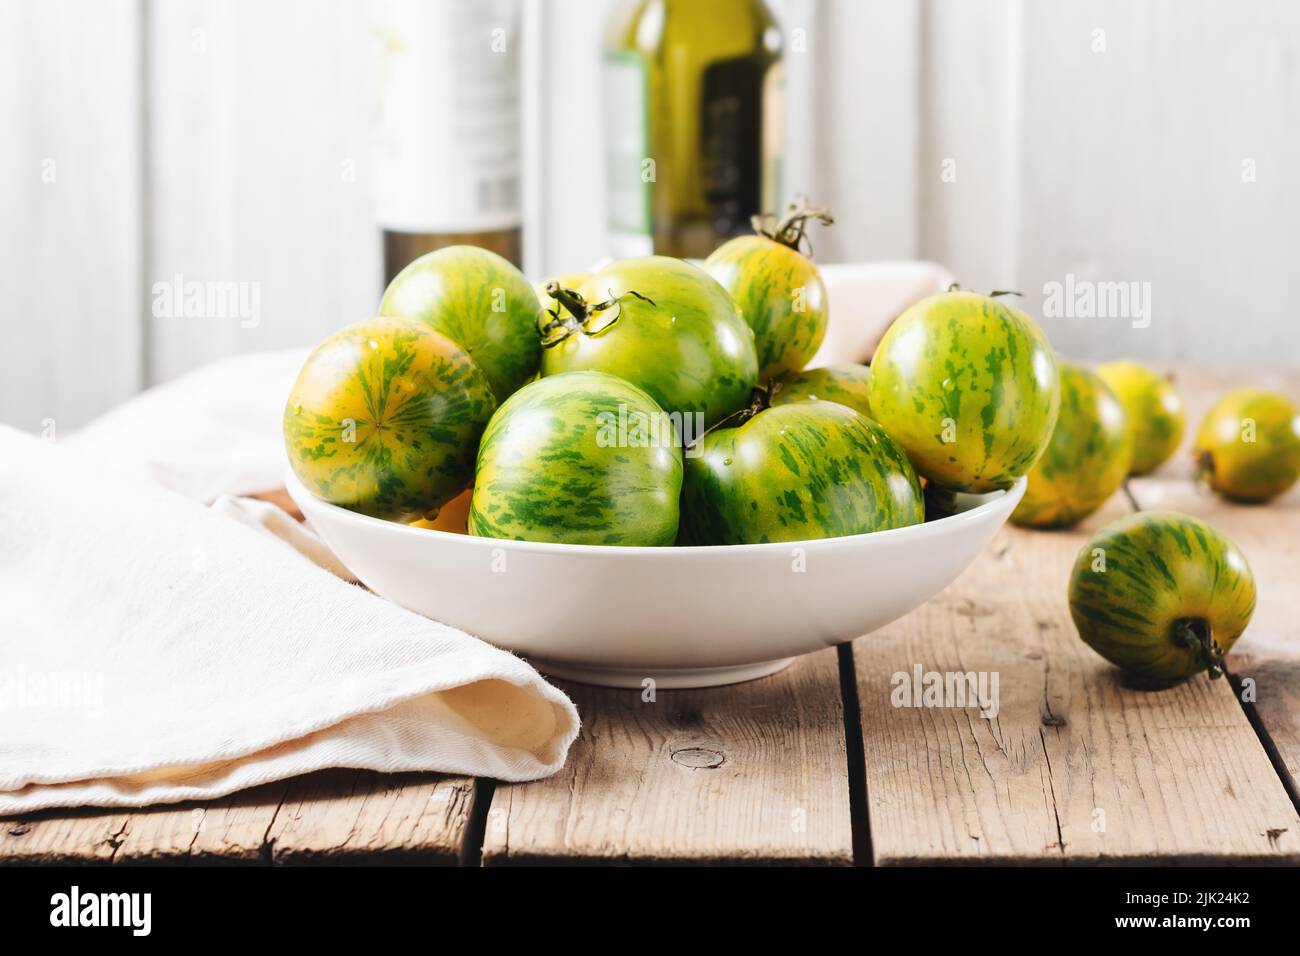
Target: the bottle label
(446, 156)
(773, 139)
(731, 156)
(629, 168)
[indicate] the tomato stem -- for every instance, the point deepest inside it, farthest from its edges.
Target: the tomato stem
(1196, 633)
(571, 300)
(759, 399)
(579, 314)
(1203, 479)
(790, 229)
(995, 294)
(556, 330)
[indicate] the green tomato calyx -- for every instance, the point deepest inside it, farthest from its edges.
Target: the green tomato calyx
(996, 293)
(575, 315)
(1196, 634)
(1204, 468)
(760, 399)
(790, 229)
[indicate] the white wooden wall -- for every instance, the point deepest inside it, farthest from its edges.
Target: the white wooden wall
(258, 155)
(1123, 164)
(228, 140)
(70, 209)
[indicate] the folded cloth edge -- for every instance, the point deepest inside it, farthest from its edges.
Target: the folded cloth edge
(110, 790)
(289, 732)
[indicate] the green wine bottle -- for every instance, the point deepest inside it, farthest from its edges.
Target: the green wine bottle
(693, 123)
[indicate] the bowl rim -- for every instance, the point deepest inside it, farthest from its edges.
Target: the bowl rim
(995, 500)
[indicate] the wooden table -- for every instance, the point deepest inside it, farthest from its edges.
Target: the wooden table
(816, 766)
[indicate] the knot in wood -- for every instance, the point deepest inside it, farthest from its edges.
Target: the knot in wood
(698, 758)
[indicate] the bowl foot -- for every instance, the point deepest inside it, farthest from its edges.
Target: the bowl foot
(665, 678)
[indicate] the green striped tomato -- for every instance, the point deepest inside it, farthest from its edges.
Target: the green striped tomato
(780, 294)
(479, 301)
(1161, 595)
(1085, 461)
(385, 419)
(967, 384)
(1248, 446)
(663, 325)
(1154, 410)
(796, 472)
(846, 384)
(578, 458)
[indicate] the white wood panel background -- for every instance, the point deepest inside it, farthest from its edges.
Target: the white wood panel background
(70, 209)
(259, 163)
(228, 140)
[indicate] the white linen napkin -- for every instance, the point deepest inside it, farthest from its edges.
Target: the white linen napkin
(153, 650)
(213, 431)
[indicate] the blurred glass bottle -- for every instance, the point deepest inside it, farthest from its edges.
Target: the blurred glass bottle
(693, 123)
(447, 152)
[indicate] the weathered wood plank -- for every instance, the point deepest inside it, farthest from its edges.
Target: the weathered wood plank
(753, 773)
(350, 816)
(63, 837)
(230, 830)
(335, 816)
(1076, 767)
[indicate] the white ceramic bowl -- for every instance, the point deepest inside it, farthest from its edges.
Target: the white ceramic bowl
(686, 617)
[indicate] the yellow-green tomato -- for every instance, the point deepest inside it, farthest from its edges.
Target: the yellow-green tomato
(967, 384)
(662, 324)
(478, 300)
(1161, 595)
(578, 458)
(1248, 446)
(846, 384)
(780, 294)
(1154, 408)
(1086, 460)
(385, 418)
(796, 472)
